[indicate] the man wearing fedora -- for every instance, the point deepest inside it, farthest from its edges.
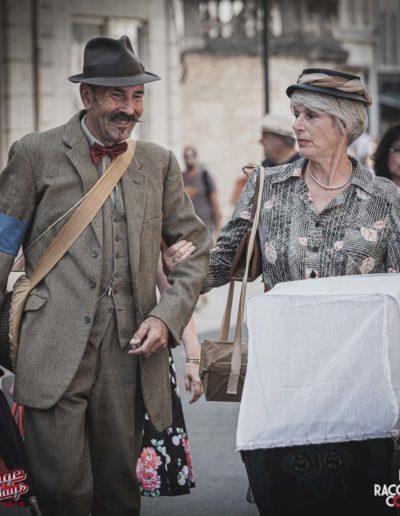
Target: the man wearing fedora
(279, 145)
(93, 343)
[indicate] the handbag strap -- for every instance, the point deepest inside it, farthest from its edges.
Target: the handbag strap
(226, 320)
(236, 361)
(84, 214)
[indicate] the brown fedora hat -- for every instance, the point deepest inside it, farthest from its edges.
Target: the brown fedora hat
(112, 62)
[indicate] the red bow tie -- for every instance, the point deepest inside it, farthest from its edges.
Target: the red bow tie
(99, 151)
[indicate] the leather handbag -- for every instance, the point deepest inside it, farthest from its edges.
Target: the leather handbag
(239, 261)
(223, 363)
(87, 208)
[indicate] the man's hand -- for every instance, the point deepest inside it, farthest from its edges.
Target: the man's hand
(175, 254)
(151, 336)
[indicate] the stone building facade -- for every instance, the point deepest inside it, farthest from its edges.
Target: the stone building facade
(41, 44)
(223, 80)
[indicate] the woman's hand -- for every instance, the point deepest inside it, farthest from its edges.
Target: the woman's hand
(176, 254)
(192, 381)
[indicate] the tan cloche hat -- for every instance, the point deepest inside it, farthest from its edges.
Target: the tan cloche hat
(277, 124)
(331, 82)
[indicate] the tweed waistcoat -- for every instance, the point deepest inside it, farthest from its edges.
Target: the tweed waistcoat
(122, 291)
(116, 293)
(105, 305)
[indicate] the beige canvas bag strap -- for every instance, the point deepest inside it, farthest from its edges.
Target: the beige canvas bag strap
(226, 320)
(236, 361)
(83, 215)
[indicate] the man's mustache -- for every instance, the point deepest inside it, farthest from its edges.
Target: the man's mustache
(124, 117)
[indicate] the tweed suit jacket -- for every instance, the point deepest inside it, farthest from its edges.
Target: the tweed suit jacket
(46, 174)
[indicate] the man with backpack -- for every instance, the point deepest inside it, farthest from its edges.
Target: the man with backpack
(201, 188)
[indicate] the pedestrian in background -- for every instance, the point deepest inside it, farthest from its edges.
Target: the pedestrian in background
(278, 141)
(202, 190)
(387, 155)
(279, 147)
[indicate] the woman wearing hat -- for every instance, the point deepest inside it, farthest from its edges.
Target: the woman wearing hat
(323, 215)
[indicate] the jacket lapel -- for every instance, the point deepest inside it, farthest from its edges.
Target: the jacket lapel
(134, 183)
(79, 154)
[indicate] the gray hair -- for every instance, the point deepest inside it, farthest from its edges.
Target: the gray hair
(349, 114)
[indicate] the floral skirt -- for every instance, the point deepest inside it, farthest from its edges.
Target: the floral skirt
(164, 467)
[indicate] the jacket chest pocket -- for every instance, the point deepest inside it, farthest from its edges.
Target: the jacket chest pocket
(151, 242)
(154, 223)
(151, 234)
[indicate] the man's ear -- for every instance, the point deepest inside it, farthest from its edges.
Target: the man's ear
(87, 95)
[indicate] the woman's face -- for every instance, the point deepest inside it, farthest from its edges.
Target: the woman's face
(317, 135)
(394, 161)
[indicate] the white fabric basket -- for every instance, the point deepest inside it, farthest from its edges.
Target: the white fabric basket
(324, 362)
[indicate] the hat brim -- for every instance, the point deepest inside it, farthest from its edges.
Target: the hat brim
(328, 91)
(132, 80)
(279, 132)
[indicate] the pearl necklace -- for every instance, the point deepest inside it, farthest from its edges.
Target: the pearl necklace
(327, 187)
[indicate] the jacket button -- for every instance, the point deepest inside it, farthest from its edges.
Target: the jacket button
(117, 238)
(111, 310)
(87, 319)
(92, 283)
(95, 253)
(317, 223)
(315, 249)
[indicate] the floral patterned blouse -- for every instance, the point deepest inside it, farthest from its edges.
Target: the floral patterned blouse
(358, 232)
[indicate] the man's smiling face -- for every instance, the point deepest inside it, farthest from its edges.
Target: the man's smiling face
(112, 112)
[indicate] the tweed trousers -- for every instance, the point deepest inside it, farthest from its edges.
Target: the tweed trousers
(84, 449)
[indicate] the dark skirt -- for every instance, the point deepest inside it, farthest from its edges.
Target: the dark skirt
(323, 479)
(164, 467)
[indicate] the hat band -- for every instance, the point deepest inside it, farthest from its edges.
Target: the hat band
(110, 71)
(346, 85)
